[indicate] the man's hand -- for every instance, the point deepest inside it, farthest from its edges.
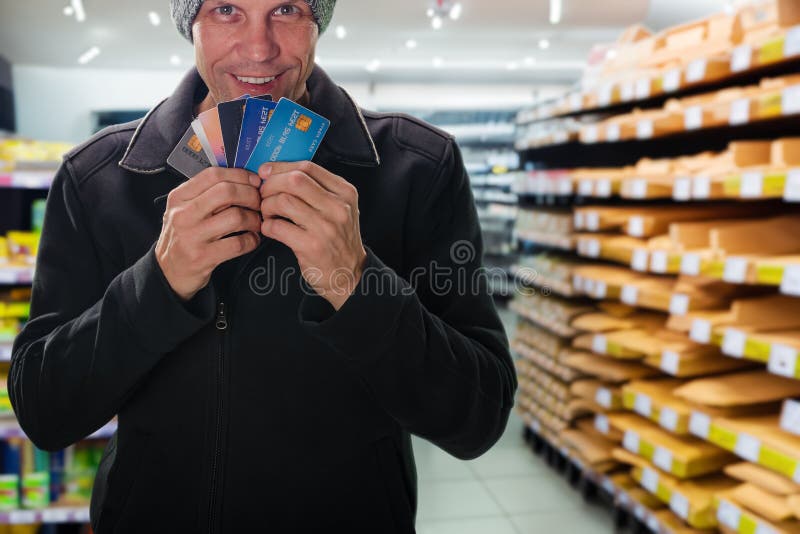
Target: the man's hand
(200, 212)
(326, 234)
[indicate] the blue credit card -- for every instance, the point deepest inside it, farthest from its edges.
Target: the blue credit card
(256, 116)
(293, 134)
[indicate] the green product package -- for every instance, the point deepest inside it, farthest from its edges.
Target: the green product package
(9, 492)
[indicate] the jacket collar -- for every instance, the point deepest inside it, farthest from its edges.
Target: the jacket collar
(348, 140)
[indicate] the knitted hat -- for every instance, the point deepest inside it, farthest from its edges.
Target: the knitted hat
(185, 11)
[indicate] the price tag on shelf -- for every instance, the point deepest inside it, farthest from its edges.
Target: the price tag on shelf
(599, 344)
(613, 133)
(748, 447)
(603, 188)
(791, 192)
(796, 477)
(670, 362)
(577, 282)
(693, 118)
(682, 189)
(591, 134)
(586, 188)
(601, 423)
(735, 270)
(600, 290)
(701, 187)
(22, 517)
(624, 499)
(791, 280)
(659, 261)
(627, 91)
(643, 88)
(663, 458)
(631, 441)
(668, 419)
(680, 505)
(791, 46)
(56, 515)
(630, 295)
(700, 425)
(605, 94)
(639, 188)
(696, 70)
(565, 186)
(653, 524)
(752, 185)
(81, 515)
(592, 249)
(679, 304)
(790, 100)
(672, 80)
(729, 515)
(740, 112)
(640, 259)
(690, 264)
(650, 480)
(636, 226)
(701, 331)
(576, 102)
(790, 416)
(763, 528)
(592, 221)
(733, 342)
(579, 220)
(603, 397)
(643, 405)
(640, 512)
(783, 360)
(741, 58)
(645, 129)
(608, 485)
(535, 426)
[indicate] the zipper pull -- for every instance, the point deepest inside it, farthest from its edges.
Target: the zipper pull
(222, 321)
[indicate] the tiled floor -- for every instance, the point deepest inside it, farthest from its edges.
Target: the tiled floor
(509, 490)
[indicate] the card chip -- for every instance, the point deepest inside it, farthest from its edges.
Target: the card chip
(194, 144)
(303, 123)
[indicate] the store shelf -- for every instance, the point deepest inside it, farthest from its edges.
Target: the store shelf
(27, 179)
(9, 428)
(5, 352)
(46, 516)
(16, 275)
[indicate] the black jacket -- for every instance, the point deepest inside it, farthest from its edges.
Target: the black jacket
(293, 416)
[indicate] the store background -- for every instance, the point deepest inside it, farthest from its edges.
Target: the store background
(505, 78)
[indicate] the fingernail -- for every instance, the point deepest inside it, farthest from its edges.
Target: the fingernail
(265, 170)
(255, 181)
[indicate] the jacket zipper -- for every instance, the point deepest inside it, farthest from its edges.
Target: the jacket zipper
(222, 327)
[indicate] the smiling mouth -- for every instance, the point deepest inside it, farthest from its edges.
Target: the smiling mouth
(255, 81)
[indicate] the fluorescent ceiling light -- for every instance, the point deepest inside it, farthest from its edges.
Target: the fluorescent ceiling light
(529, 61)
(77, 7)
(89, 55)
(544, 44)
(430, 12)
(436, 22)
(411, 44)
(455, 11)
(438, 62)
(155, 18)
(68, 11)
(341, 32)
(556, 9)
(513, 65)
(373, 65)
(175, 59)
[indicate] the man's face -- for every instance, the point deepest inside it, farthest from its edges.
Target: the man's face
(255, 47)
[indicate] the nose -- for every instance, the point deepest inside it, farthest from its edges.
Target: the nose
(258, 43)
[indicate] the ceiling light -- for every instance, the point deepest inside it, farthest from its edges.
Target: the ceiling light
(430, 12)
(77, 7)
(529, 61)
(436, 22)
(513, 65)
(175, 60)
(455, 11)
(69, 11)
(89, 55)
(411, 44)
(373, 65)
(556, 9)
(544, 44)
(155, 18)
(341, 32)
(438, 62)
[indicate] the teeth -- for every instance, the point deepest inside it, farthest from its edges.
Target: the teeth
(255, 81)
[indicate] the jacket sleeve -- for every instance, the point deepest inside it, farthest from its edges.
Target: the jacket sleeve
(88, 343)
(431, 348)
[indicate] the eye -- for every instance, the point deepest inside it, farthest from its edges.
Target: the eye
(286, 10)
(226, 11)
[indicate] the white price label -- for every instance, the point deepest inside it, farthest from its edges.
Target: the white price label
(8, 276)
(650, 480)
(763, 528)
(605, 94)
(791, 280)
(643, 405)
(564, 186)
(696, 70)
(733, 342)
(742, 58)
(791, 100)
(735, 270)
(680, 505)
(640, 259)
(600, 290)
(693, 118)
(783, 360)
(670, 362)
(645, 129)
(636, 226)
(601, 424)
(740, 112)
(643, 88)
(791, 46)
(790, 416)
(603, 188)
(640, 512)
(653, 524)
(603, 397)
(586, 188)
(700, 425)
(662, 458)
(599, 344)
(639, 188)
(729, 515)
(22, 517)
(679, 304)
(752, 185)
(55, 515)
(613, 133)
(701, 187)
(682, 189)
(659, 261)
(630, 295)
(535, 426)
(81, 515)
(627, 91)
(593, 249)
(577, 282)
(668, 419)
(631, 441)
(579, 220)
(690, 264)
(591, 134)
(796, 477)
(791, 192)
(701, 331)
(624, 498)
(608, 485)
(592, 221)
(748, 447)
(576, 101)
(672, 80)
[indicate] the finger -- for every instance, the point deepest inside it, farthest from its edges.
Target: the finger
(207, 178)
(233, 247)
(287, 233)
(291, 207)
(301, 185)
(223, 195)
(229, 221)
(329, 181)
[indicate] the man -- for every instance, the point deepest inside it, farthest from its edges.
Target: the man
(268, 349)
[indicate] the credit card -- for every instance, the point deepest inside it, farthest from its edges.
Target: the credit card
(231, 115)
(256, 116)
(213, 130)
(197, 126)
(294, 133)
(189, 158)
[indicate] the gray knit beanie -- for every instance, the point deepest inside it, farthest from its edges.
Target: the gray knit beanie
(185, 11)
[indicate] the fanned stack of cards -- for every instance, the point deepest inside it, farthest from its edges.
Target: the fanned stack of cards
(246, 133)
